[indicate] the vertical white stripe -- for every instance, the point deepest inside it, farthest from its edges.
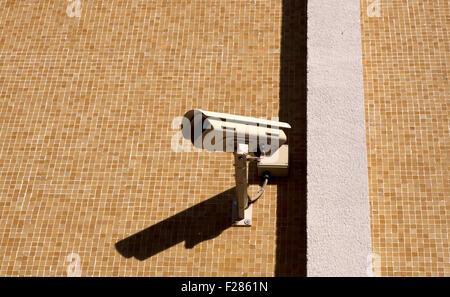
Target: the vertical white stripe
(338, 214)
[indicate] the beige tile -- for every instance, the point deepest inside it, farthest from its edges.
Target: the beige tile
(406, 99)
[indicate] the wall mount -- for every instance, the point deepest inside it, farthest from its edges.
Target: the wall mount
(276, 164)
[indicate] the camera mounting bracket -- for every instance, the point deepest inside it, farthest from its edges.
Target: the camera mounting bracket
(241, 211)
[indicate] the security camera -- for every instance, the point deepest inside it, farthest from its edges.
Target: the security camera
(223, 132)
(249, 139)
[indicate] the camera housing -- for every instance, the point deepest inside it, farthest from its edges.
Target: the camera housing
(223, 132)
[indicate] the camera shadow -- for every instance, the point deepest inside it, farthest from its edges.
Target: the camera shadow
(198, 223)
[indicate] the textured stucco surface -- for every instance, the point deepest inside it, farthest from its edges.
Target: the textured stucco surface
(338, 240)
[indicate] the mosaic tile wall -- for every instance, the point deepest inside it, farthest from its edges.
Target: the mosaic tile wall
(405, 61)
(89, 182)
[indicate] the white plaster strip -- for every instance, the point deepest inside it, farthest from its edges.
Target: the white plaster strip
(338, 217)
